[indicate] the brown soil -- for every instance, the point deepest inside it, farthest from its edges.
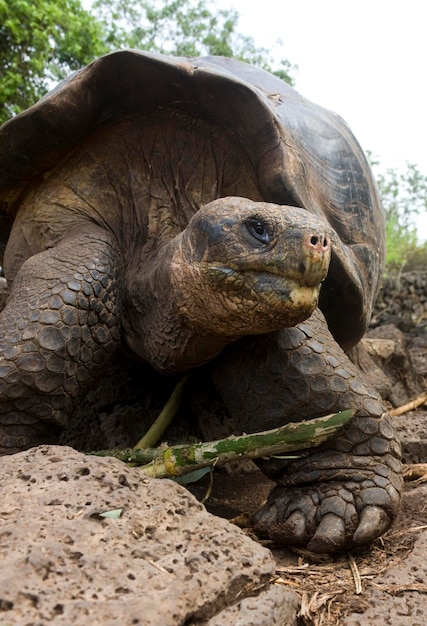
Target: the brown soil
(384, 584)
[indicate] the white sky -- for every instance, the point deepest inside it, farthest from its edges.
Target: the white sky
(364, 59)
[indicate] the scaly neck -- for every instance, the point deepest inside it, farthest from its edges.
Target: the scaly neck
(156, 313)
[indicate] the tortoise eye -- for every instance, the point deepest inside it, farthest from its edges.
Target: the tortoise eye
(258, 229)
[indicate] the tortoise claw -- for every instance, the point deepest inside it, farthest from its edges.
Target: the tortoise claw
(295, 527)
(325, 518)
(286, 519)
(330, 535)
(265, 517)
(374, 521)
(291, 531)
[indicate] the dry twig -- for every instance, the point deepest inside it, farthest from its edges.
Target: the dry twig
(410, 406)
(355, 573)
(394, 590)
(310, 606)
(416, 472)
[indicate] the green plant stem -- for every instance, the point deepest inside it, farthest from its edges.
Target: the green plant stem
(167, 414)
(178, 460)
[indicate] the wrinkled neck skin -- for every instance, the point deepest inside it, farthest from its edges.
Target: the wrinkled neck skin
(188, 297)
(158, 306)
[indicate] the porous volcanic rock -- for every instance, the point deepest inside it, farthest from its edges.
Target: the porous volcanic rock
(402, 300)
(398, 595)
(160, 559)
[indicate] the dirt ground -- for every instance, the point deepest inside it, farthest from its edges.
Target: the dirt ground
(384, 584)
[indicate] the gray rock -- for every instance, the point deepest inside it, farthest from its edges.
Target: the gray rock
(163, 560)
(276, 605)
(402, 300)
(399, 595)
(412, 429)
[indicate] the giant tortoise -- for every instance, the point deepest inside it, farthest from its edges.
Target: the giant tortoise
(187, 210)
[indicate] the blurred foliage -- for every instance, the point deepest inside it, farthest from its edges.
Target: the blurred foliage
(183, 28)
(41, 41)
(404, 197)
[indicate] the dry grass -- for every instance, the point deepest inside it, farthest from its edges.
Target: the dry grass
(332, 587)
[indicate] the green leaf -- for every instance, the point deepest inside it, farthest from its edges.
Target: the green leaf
(192, 477)
(113, 514)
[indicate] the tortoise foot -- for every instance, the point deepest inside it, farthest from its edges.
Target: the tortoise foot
(327, 517)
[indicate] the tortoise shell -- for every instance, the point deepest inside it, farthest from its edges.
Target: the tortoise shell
(303, 154)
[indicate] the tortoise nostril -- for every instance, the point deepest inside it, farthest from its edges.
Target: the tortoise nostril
(319, 243)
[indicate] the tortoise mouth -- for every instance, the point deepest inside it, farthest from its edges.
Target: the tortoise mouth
(307, 277)
(279, 290)
(253, 302)
(275, 289)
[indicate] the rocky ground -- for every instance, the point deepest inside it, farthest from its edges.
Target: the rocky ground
(85, 540)
(386, 583)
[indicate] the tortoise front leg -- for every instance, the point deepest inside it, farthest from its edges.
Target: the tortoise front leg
(348, 491)
(59, 326)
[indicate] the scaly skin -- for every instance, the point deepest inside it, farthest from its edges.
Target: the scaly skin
(348, 492)
(59, 326)
(64, 320)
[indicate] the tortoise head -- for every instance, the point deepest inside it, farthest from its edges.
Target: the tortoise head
(239, 268)
(245, 267)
